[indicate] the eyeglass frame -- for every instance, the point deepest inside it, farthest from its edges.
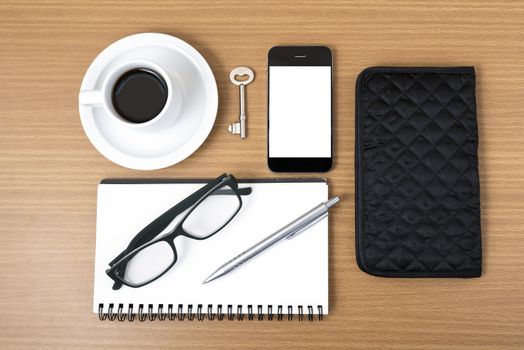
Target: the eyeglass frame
(149, 234)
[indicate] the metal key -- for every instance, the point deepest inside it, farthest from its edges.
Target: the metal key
(240, 126)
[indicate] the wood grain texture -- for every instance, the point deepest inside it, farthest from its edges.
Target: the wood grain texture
(49, 170)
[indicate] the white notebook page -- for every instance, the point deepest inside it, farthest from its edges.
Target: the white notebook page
(292, 273)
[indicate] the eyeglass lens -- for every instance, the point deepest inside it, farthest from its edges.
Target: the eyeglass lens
(148, 263)
(211, 215)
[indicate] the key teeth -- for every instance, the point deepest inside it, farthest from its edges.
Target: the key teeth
(234, 128)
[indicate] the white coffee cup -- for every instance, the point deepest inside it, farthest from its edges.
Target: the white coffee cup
(103, 97)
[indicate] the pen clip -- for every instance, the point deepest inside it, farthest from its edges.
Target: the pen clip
(308, 225)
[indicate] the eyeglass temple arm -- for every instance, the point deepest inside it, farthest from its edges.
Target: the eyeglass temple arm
(244, 191)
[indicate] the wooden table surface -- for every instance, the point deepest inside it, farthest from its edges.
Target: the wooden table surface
(49, 170)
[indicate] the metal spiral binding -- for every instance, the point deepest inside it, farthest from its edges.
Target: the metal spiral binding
(190, 314)
(120, 314)
(240, 314)
(181, 313)
(210, 314)
(220, 314)
(161, 314)
(250, 312)
(130, 313)
(170, 315)
(110, 315)
(141, 316)
(260, 313)
(200, 315)
(230, 315)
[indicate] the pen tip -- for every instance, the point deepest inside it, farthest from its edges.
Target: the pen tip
(332, 202)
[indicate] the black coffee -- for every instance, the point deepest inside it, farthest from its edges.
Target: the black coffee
(139, 95)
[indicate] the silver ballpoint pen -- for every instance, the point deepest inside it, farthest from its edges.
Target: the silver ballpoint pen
(289, 231)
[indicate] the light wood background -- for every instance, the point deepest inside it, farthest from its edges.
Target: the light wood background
(49, 171)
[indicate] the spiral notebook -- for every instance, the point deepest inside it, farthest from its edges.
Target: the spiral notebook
(289, 279)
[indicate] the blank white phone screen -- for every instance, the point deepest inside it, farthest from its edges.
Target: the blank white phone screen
(300, 112)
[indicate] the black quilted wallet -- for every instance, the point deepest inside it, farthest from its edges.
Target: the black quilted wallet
(417, 183)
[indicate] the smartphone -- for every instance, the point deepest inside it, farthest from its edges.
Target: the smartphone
(300, 137)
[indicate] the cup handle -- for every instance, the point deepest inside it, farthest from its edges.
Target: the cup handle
(91, 97)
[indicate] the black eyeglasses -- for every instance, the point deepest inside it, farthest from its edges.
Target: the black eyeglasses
(206, 212)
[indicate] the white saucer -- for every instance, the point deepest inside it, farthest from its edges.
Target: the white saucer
(135, 148)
